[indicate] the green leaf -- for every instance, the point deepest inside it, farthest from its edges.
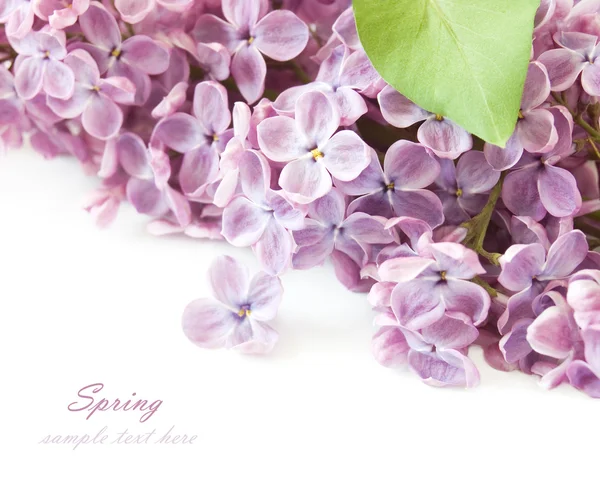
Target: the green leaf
(463, 59)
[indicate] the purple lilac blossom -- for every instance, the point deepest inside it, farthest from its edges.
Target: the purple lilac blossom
(456, 242)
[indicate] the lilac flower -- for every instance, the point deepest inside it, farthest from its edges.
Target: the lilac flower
(463, 189)
(398, 188)
(135, 58)
(94, 98)
(18, 16)
(527, 268)
(60, 14)
(433, 283)
(201, 137)
(236, 318)
(311, 149)
(537, 186)
(345, 77)
(249, 34)
(445, 138)
(327, 229)
(576, 56)
(40, 67)
(263, 218)
(535, 131)
(433, 353)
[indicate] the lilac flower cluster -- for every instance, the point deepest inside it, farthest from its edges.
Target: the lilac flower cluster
(263, 123)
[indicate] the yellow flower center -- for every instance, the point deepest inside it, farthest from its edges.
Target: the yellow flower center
(439, 117)
(250, 40)
(390, 186)
(316, 154)
(443, 275)
(521, 114)
(245, 312)
(96, 88)
(215, 138)
(47, 54)
(459, 193)
(116, 53)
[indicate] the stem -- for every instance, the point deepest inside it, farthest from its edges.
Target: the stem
(300, 73)
(489, 289)
(477, 227)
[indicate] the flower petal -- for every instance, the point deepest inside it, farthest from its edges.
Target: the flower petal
(280, 35)
(146, 54)
(417, 303)
(274, 249)
(229, 280)
(317, 118)
(207, 323)
(346, 155)
(444, 137)
(520, 263)
(102, 118)
(180, 132)
(558, 191)
(280, 139)
(398, 110)
(264, 296)
(243, 222)
(305, 180)
(249, 70)
(390, 347)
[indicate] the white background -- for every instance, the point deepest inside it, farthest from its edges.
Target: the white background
(80, 305)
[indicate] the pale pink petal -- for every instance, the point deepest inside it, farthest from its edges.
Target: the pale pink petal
(305, 180)
(445, 138)
(229, 280)
(102, 118)
(243, 222)
(520, 263)
(390, 347)
(146, 54)
(274, 249)
(409, 166)
(346, 155)
(558, 191)
(563, 67)
(280, 35)
(100, 27)
(59, 80)
(417, 304)
(200, 167)
(280, 139)
(211, 108)
(180, 132)
(207, 323)
(264, 296)
(249, 70)
(28, 81)
(317, 117)
(398, 110)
